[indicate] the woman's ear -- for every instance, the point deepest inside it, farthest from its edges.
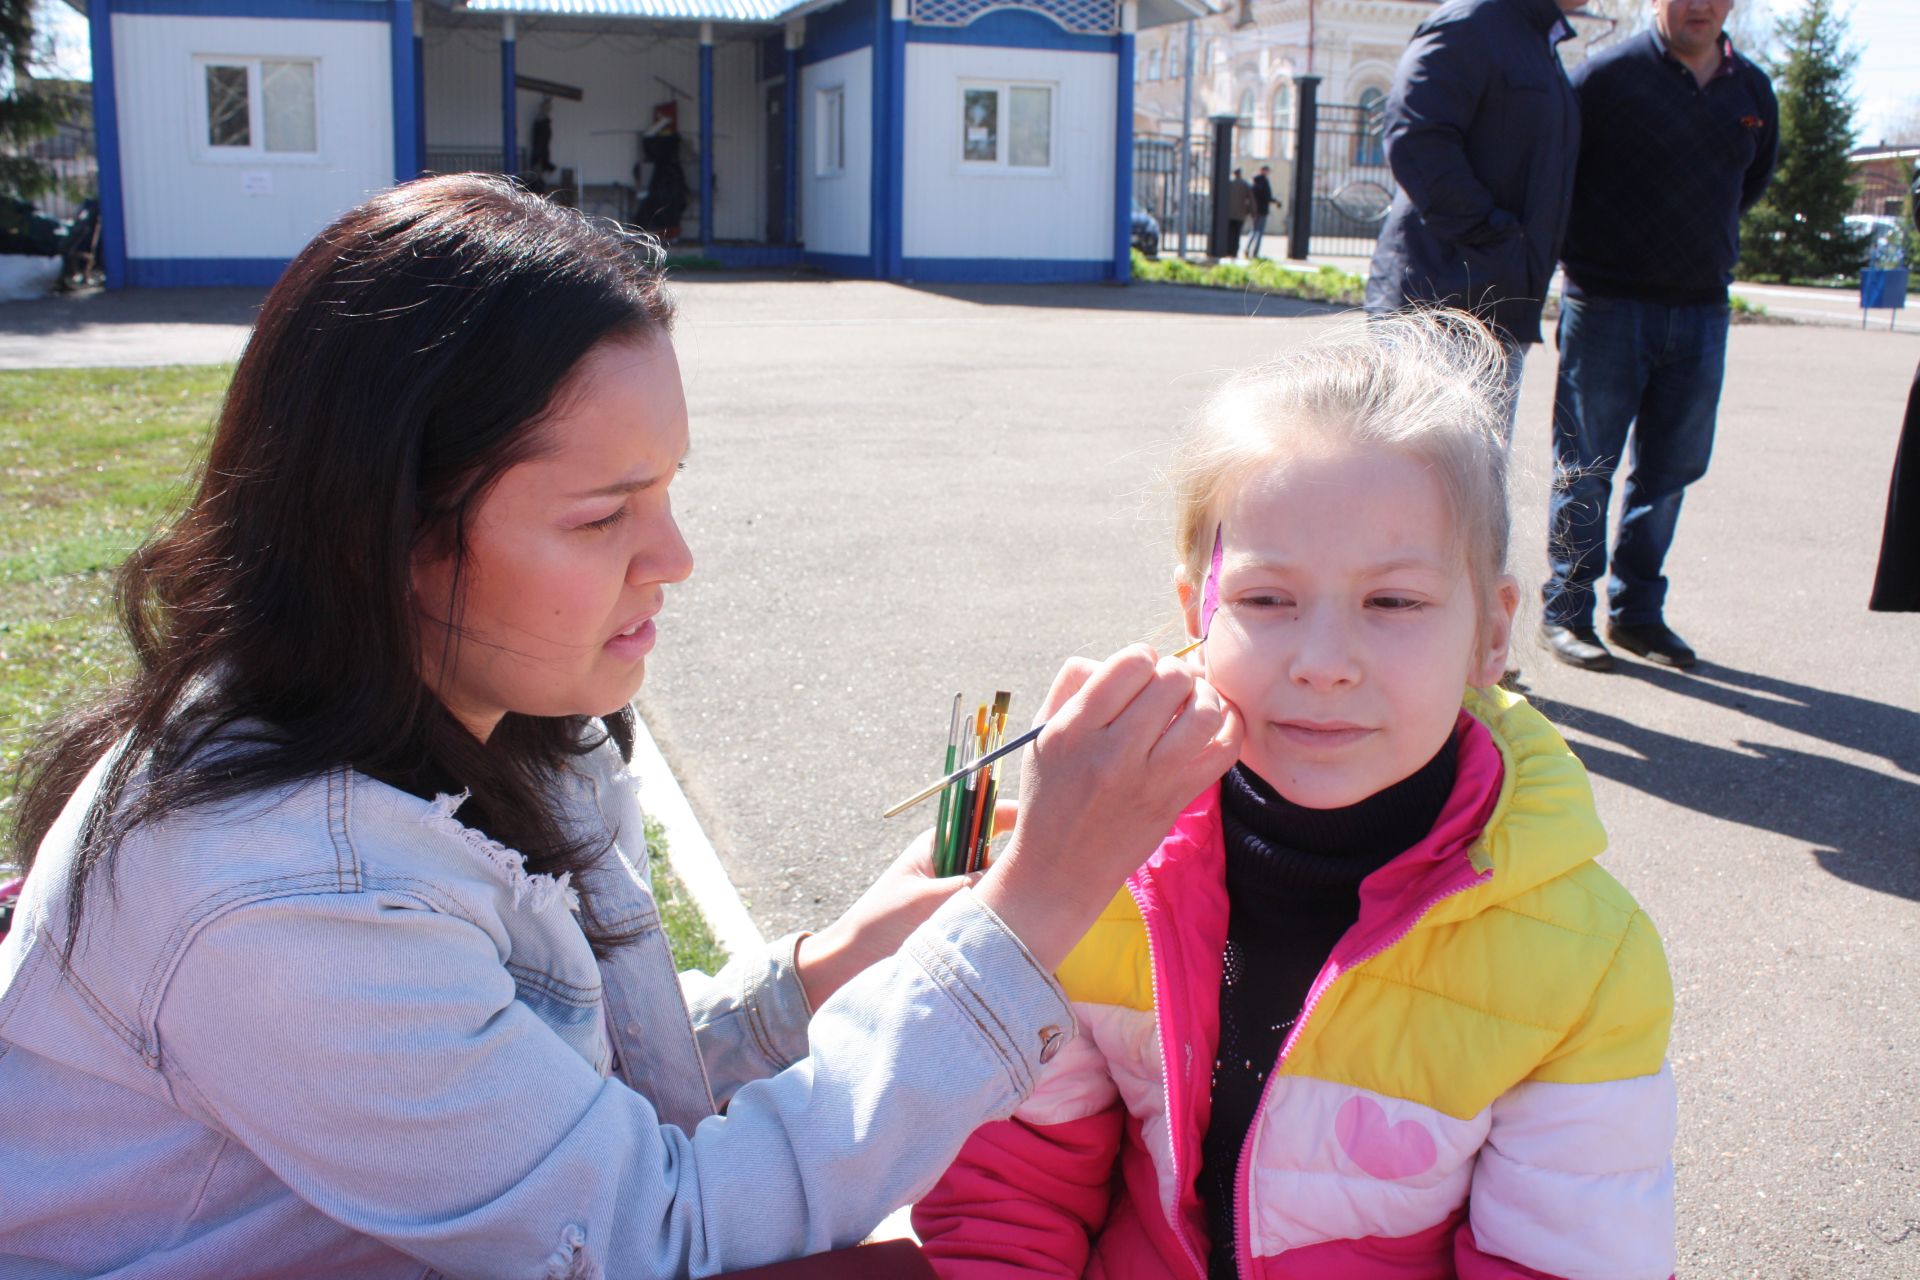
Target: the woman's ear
(1189, 604)
(1496, 634)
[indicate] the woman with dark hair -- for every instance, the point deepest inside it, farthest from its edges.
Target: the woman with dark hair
(336, 955)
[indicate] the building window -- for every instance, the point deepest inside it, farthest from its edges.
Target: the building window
(1006, 126)
(831, 112)
(1153, 65)
(1176, 63)
(256, 106)
(1370, 144)
(1213, 54)
(1243, 127)
(1283, 119)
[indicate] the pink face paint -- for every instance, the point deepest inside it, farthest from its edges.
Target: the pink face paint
(1210, 592)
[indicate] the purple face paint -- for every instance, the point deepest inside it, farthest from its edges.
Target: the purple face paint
(1210, 592)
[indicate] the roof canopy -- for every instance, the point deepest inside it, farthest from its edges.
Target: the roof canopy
(1152, 13)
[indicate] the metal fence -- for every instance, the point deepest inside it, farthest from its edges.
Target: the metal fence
(1337, 149)
(68, 153)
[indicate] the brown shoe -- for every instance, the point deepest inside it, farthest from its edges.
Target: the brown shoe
(1577, 647)
(1654, 641)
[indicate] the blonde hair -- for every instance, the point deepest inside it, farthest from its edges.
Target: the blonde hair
(1427, 384)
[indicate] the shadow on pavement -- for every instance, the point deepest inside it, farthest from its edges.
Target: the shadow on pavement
(1862, 825)
(62, 313)
(1173, 299)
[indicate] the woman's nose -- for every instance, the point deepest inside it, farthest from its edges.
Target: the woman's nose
(663, 556)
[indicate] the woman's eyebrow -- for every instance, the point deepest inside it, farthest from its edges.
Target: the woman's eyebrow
(622, 487)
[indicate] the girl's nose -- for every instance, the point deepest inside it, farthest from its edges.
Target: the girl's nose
(1324, 655)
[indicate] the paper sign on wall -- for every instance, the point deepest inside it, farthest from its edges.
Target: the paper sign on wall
(256, 182)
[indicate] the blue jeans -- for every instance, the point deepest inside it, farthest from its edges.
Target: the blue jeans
(1647, 369)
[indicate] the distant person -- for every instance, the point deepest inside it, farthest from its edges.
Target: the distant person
(1681, 134)
(1481, 134)
(1896, 587)
(1262, 202)
(1371, 1011)
(1239, 207)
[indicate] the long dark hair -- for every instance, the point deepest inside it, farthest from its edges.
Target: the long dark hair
(403, 362)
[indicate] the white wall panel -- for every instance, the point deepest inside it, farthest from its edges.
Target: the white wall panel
(837, 210)
(180, 203)
(957, 211)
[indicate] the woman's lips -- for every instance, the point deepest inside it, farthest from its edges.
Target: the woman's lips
(635, 643)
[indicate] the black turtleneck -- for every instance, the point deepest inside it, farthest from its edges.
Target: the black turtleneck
(1293, 888)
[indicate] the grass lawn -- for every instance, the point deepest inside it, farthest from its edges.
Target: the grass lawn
(91, 461)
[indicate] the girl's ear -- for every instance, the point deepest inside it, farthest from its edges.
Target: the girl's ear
(1189, 604)
(1497, 636)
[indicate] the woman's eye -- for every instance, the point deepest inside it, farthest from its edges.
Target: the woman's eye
(607, 521)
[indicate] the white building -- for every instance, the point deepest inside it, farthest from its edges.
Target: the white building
(921, 139)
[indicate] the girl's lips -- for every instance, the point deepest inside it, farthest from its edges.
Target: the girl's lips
(634, 645)
(1307, 733)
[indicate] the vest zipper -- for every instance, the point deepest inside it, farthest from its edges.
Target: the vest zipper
(1242, 1251)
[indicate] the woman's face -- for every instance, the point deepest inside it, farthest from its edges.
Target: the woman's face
(568, 554)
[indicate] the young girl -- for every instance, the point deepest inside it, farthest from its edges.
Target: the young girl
(1371, 1010)
(336, 955)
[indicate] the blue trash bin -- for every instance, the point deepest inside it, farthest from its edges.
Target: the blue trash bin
(1883, 287)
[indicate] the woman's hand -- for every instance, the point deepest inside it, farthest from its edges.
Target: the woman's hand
(873, 928)
(1128, 745)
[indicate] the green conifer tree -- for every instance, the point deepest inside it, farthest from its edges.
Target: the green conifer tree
(28, 110)
(1798, 229)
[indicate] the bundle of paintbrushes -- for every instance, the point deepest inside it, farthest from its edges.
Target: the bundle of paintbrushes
(965, 826)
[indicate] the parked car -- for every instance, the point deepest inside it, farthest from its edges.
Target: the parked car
(1886, 244)
(1146, 231)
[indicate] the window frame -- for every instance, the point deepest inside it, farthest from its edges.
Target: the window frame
(830, 140)
(1002, 164)
(255, 153)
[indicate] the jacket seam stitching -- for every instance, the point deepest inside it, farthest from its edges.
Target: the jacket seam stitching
(1464, 1004)
(563, 991)
(949, 983)
(1564, 928)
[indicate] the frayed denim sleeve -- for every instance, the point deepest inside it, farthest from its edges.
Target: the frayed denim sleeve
(750, 1018)
(370, 1051)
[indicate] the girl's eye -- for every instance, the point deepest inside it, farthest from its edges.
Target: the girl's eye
(1396, 604)
(607, 521)
(1267, 601)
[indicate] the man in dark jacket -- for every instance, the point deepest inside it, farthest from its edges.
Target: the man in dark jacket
(1481, 134)
(1262, 202)
(1680, 137)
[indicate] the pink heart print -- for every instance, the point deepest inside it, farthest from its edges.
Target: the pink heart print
(1386, 1151)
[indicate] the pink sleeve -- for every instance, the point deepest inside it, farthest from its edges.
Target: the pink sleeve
(1470, 1263)
(1022, 1199)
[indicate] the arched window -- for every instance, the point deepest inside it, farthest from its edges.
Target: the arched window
(1153, 65)
(1243, 130)
(1283, 119)
(1370, 143)
(1176, 61)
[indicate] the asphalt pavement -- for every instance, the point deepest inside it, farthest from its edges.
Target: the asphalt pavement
(897, 493)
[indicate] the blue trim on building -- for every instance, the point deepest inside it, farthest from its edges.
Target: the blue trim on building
(854, 266)
(420, 103)
(405, 77)
(1123, 161)
(706, 143)
(106, 143)
(509, 103)
(753, 256)
(1007, 270)
(790, 230)
(841, 29)
(883, 230)
(1014, 29)
(895, 172)
(175, 273)
(336, 10)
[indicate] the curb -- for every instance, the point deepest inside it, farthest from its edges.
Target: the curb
(689, 852)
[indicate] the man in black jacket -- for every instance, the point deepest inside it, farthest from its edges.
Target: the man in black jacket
(1481, 134)
(1680, 137)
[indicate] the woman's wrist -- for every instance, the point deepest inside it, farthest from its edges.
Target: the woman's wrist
(824, 963)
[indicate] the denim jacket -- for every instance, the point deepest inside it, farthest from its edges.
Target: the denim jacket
(331, 1031)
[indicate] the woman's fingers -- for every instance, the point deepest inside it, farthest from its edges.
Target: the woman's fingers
(1072, 675)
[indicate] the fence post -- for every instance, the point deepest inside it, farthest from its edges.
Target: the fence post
(1307, 117)
(1220, 242)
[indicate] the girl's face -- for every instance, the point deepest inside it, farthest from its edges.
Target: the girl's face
(569, 553)
(1347, 629)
